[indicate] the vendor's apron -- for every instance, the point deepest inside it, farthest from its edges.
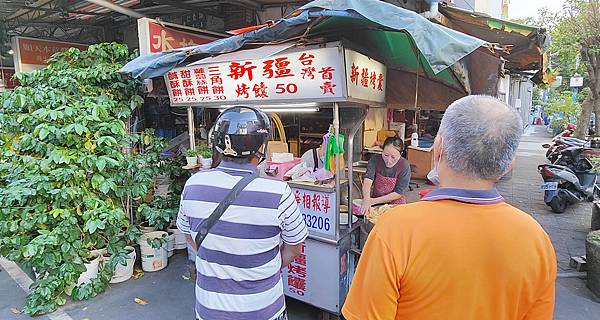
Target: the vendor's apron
(385, 185)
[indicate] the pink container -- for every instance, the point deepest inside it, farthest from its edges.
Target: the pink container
(279, 169)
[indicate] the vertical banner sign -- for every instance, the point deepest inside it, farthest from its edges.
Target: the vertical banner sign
(318, 210)
(365, 77)
(158, 37)
(308, 75)
(32, 54)
(9, 83)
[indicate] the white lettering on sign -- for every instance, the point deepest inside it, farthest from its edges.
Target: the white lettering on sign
(310, 74)
(365, 77)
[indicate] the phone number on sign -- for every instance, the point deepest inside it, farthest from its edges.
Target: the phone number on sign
(315, 222)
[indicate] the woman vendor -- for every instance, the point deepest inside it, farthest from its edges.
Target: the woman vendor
(315, 158)
(387, 176)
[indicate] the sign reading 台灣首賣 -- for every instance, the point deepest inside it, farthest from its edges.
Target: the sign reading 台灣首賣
(365, 77)
(312, 74)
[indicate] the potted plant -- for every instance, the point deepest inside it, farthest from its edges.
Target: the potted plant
(191, 156)
(206, 154)
(65, 172)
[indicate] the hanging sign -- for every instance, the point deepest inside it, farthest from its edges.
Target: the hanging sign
(158, 37)
(365, 77)
(309, 75)
(33, 54)
(576, 82)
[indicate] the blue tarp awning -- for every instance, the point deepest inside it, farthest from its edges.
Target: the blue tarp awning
(437, 47)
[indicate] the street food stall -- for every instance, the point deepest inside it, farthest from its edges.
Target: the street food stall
(295, 78)
(324, 56)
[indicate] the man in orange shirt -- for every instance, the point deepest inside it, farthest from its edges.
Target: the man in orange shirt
(462, 253)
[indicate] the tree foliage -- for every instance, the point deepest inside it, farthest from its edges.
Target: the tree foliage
(66, 168)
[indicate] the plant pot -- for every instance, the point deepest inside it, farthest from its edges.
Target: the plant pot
(180, 242)
(191, 161)
(124, 272)
(170, 244)
(206, 163)
(145, 228)
(592, 252)
(153, 259)
(91, 271)
(595, 216)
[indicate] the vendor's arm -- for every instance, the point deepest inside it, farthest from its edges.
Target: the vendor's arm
(368, 183)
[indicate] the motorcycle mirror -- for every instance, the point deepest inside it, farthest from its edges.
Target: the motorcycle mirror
(546, 145)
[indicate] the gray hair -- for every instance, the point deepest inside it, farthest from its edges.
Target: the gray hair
(480, 136)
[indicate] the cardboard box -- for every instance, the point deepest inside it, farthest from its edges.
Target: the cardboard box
(276, 146)
(422, 161)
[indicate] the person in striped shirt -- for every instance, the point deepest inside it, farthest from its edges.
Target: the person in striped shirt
(239, 262)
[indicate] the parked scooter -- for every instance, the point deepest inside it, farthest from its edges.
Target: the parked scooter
(565, 185)
(559, 144)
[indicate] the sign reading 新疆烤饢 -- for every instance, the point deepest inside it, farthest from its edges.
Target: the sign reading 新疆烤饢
(310, 75)
(365, 77)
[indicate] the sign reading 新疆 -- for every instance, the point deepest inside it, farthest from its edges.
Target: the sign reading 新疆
(313, 74)
(318, 210)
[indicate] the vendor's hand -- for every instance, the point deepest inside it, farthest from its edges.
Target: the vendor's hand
(366, 206)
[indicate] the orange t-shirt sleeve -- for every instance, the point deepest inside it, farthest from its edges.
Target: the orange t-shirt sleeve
(375, 288)
(543, 307)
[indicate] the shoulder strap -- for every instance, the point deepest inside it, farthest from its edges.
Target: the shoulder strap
(205, 227)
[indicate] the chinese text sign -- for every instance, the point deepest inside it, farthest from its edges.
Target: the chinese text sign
(311, 74)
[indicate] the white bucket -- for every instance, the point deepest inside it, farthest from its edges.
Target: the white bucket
(170, 244)
(146, 229)
(180, 242)
(124, 272)
(91, 271)
(206, 163)
(153, 259)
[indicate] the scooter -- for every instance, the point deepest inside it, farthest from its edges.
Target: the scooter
(564, 186)
(559, 144)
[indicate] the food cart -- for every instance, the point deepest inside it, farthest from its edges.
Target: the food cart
(329, 75)
(327, 54)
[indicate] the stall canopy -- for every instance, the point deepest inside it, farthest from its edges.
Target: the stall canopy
(524, 45)
(403, 40)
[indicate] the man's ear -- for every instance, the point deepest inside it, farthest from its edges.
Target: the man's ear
(510, 167)
(437, 148)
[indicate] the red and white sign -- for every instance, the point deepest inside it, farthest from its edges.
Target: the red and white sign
(157, 37)
(308, 75)
(296, 281)
(366, 77)
(32, 54)
(9, 83)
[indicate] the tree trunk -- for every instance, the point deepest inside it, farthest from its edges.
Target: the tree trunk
(584, 117)
(596, 104)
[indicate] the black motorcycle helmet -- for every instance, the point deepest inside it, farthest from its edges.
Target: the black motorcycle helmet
(240, 132)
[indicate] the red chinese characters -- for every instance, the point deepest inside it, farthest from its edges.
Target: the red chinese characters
(216, 81)
(354, 74)
(328, 87)
(364, 77)
(297, 274)
(260, 90)
(317, 202)
(380, 82)
(373, 80)
(238, 70)
(242, 90)
(277, 68)
(307, 62)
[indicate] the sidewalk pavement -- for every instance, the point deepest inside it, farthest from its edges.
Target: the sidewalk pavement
(170, 294)
(567, 231)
